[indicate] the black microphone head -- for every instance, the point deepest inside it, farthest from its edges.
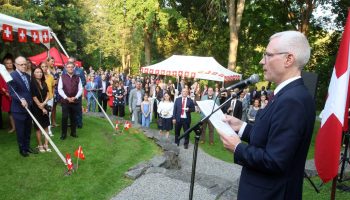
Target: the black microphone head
(253, 79)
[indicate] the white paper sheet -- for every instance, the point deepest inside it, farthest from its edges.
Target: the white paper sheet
(206, 107)
(5, 74)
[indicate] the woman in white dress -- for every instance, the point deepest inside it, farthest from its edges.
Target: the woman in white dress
(165, 110)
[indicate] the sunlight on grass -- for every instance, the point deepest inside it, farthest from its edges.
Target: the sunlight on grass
(100, 175)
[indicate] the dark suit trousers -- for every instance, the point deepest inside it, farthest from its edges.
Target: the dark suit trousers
(185, 124)
(69, 110)
(23, 124)
(102, 100)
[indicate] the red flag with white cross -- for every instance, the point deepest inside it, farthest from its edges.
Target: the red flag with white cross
(22, 35)
(7, 33)
(127, 125)
(116, 125)
(79, 153)
(335, 113)
(45, 36)
(35, 36)
(69, 162)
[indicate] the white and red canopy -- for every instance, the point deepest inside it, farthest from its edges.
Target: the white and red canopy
(192, 67)
(38, 33)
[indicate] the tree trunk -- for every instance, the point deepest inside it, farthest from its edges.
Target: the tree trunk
(147, 43)
(305, 12)
(235, 12)
(305, 16)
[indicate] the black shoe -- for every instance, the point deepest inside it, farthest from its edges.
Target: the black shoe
(62, 137)
(33, 151)
(79, 126)
(186, 146)
(75, 136)
(24, 153)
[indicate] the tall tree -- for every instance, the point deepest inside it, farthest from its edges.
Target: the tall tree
(235, 11)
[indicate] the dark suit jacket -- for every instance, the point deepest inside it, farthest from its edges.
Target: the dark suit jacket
(274, 159)
(178, 109)
(19, 86)
(237, 111)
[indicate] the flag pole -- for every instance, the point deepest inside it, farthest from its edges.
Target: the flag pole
(334, 185)
(42, 130)
(103, 111)
(79, 149)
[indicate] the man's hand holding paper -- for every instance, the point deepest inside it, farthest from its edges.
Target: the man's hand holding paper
(217, 119)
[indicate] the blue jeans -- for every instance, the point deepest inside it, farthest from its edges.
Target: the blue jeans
(146, 121)
(91, 104)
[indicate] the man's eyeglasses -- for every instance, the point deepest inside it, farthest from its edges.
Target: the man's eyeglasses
(24, 64)
(269, 55)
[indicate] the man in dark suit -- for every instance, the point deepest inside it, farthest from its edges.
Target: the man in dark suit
(183, 107)
(274, 156)
(235, 108)
(23, 122)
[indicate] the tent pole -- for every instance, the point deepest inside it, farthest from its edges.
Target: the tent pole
(59, 43)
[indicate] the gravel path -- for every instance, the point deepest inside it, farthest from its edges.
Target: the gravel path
(211, 175)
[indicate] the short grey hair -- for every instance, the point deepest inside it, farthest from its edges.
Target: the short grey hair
(296, 43)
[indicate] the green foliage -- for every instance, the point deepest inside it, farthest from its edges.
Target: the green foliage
(103, 32)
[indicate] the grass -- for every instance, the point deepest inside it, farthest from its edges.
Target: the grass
(100, 175)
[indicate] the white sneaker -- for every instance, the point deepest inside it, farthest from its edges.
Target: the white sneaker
(50, 134)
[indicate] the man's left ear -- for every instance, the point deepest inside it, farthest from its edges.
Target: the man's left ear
(290, 59)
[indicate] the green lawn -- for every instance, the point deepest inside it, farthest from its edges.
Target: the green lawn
(100, 175)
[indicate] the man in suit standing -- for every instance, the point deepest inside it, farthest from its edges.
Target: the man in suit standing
(183, 107)
(23, 122)
(235, 107)
(274, 158)
(135, 99)
(91, 88)
(102, 98)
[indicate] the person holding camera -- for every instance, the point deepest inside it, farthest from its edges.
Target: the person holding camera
(41, 109)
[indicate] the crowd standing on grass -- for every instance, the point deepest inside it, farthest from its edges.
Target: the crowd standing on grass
(163, 100)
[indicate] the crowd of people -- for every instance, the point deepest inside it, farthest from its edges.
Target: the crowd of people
(147, 98)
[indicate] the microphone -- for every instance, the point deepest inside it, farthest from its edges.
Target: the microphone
(242, 84)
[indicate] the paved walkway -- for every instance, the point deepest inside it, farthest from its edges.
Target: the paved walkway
(215, 179)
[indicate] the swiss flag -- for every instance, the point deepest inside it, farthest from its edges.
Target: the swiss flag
(45, 36)
(79, 153)
(7, 33)
(117, 125)
(127, 125)
(35, 36)
(22, 35)
(69, 162)
(328, 140)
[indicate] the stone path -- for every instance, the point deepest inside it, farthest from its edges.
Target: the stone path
(215, 179)
(168, 177)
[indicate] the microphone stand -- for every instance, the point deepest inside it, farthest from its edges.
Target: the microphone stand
(198, 129)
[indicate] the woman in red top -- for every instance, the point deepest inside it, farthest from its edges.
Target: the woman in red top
(5, 97)
(109, 93)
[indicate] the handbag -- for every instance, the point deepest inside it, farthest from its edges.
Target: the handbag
(160, 122)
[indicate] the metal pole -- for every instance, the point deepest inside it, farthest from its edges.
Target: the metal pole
(43, 131)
